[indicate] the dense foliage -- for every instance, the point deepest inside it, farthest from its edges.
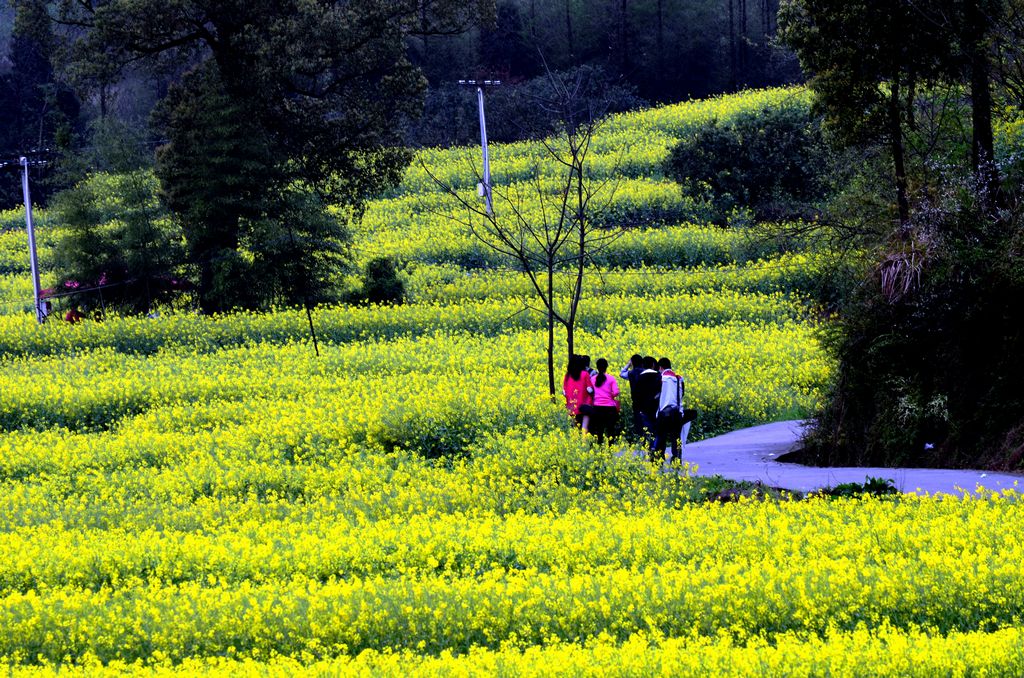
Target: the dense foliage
(772, 163)
(930, 353)
(116, 236)
(928, 349)
(37, 109)
(281, 108)
(667, 50)
(381, 284)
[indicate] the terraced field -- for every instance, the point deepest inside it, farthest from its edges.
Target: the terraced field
(205, 496)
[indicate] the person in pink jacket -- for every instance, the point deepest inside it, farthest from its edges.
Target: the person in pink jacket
(606, 403)
(579, 393)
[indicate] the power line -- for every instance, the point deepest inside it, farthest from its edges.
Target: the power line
(39, 157)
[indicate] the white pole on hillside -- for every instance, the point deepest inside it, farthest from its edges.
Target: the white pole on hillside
(483, 144)
(33, 260)
(485, 187)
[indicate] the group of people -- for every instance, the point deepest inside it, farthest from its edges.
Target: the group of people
(592, 398)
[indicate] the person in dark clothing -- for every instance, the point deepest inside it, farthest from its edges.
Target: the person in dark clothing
(646, 395)
(630, 373)
(670, 413)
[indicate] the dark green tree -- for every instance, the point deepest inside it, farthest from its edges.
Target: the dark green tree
(215, 175)
(928, 345)
(868, 59)
(119, 248)
(285, 94)
(36, 109)
(864, 58)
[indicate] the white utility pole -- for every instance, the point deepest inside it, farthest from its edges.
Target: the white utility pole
(33, 260)
(485, 187)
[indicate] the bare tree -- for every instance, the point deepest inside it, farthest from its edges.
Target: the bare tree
(551, 227)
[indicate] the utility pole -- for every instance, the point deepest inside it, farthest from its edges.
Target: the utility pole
(485, 188)
(33, 260)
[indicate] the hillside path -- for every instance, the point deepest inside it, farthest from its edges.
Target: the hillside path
(750, 453)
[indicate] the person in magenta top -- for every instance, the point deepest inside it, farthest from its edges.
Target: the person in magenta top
(579, 393)
(606, 403)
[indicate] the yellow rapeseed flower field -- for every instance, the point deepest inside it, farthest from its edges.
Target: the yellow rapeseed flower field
(204, 496)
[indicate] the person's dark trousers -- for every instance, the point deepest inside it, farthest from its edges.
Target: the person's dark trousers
(668, 432)
(603, 421)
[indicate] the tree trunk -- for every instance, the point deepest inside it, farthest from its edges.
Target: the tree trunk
(661, 36)
(423, 30)
(732, 47)
(551, 326)
(568, 32)
(742, 44)
(982, 143)
(898, 153)
(207, 305)
(624, 36)
(581, 251)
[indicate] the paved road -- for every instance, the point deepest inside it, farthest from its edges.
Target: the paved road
(749, 454)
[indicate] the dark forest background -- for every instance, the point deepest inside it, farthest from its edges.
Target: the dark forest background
(641, 51)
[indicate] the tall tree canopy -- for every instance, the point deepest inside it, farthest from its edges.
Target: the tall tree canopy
(929, 346)
(868, 58)
(36, 110)
(280, 94)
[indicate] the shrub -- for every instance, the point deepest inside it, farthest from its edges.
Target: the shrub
(771, 162)
(930, 346)
(381, 284)
(117, 237)
(871, 487)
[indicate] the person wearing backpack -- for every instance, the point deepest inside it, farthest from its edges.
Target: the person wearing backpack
(631, 372)
(669, 422)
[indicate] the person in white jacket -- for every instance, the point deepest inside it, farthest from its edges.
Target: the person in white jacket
(670, 426)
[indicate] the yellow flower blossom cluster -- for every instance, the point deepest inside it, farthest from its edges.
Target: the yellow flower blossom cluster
(728, 369)
(739, 580)
(428, 227)
(20, 336)
(866, 653)
(790, 272)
